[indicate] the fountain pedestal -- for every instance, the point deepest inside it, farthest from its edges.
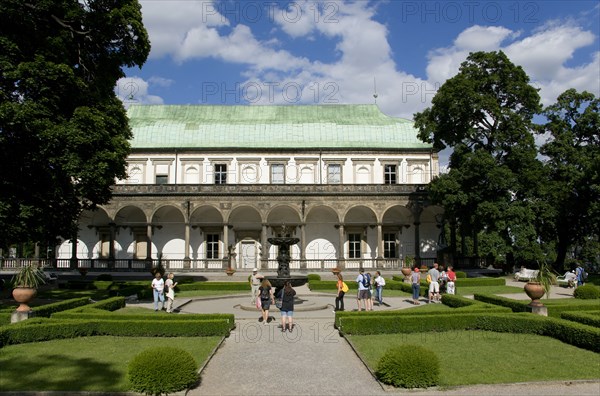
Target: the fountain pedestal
(283, 261)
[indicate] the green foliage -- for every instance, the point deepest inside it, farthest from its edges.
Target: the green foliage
(546, 277)
(555, 307)
(572, 187)
(104, 277)
(64, 133)
(30, 276)
(587, 292)
(49, 309)
(588, 318)
(314, 277)
(485, 114)
(162, 370)
(460, 274)
(42, 329)
(411, 366)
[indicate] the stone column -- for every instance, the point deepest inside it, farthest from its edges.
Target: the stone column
(74, 251)
(417, 242)
(379, 241)
(264, 252)
(111, 245)
(302, 246)
(149, 242)
(341, 242)
(187, 241)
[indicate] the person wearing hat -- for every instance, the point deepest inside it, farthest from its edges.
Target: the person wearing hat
(255, 280)
(415, 279)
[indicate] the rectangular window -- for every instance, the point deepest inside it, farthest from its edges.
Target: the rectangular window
(162, 179)
(354, 242)
(220, 174)
(334, 174)
(277, 174)
(389, 245)
(212, 246)
(389, 174)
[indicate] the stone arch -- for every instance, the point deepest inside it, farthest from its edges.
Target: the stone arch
(398, 222)
(245, 228)
(361, 221)
(206, 222)
(168, 236)
(322, 236)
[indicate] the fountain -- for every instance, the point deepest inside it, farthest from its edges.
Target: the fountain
(284, 241)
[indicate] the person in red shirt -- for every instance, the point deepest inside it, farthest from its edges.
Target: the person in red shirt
(451, 275)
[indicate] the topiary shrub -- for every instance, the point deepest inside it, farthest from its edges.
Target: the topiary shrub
(162, 370)
(461, 274)
(313, 277)
(587, 292)
(409, 366)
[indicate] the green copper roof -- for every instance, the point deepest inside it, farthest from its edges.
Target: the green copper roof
(294, 127)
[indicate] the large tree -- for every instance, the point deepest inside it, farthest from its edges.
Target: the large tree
(63, 132)
(485, 114)
(572, 191)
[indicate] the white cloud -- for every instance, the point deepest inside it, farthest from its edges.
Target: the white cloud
(134, 90)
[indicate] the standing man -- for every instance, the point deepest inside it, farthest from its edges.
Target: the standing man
(434, 286)
(579, 274)
(379, 283)
(363, 290)
(255, 281)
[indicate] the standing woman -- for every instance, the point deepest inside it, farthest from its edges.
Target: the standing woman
(339, 298)
(265, 293)
(158, 285)
(170, 286)
(416, 285)
(287, 306)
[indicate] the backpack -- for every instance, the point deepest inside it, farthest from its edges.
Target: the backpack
(366, 281)
(166, 288)
(345, 287)
(265, 294)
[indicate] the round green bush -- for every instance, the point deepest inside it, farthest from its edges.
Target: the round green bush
(461, 274)
(409, 366)
(162, 370)
(587, 292)
(313, 277)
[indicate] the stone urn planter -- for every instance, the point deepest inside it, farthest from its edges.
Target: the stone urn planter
(24, 295)
(406, 271)
(230, 271)
(535, 291)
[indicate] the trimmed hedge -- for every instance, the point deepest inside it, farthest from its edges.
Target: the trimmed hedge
(577, 334)
(587, 292)
(91, 315)
(588, 318)
(42, 329)
(390, 324)
(460, 274)
(400, 367)
(47, 310)
(162, 370)
(555, 308)
(313, 277)
(316, 285)
(110, 304)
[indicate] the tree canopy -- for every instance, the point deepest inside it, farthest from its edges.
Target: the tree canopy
(485, 113)
(63, 132)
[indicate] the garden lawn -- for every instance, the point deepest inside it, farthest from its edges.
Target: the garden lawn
(91, 364)
(480, 357)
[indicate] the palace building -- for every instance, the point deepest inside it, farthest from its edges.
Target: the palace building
(208, 185)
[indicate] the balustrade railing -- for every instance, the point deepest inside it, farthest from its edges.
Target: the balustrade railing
(191, 265)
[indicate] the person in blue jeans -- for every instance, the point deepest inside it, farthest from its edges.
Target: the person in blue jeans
(379, 283)
(415, 279)
(158, 288)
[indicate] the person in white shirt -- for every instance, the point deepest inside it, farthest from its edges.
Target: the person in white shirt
(363, 290)
(379, 283)
(158, 286)
(170, 287)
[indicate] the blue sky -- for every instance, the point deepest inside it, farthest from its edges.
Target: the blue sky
(307, 52)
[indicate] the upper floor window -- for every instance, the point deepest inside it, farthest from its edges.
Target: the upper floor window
(220, 174)
(277, 174)
(389, 174)
(354, 242)
(334, 174)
